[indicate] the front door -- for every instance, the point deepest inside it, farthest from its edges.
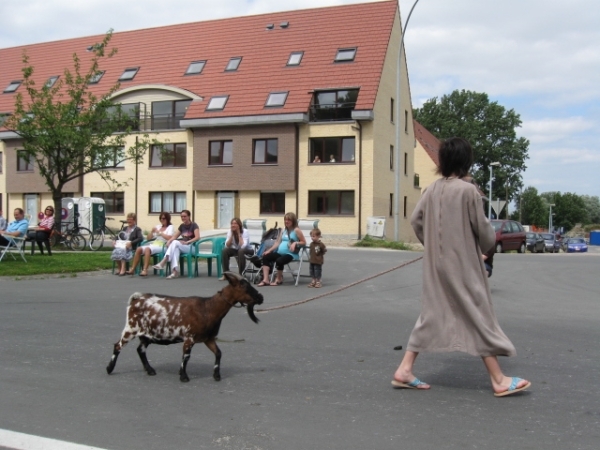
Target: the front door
(226, 202)
(31, 208)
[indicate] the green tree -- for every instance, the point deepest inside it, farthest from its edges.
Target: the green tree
(531, 208)
(67, 131)
(569, 209)
(592, 204)
(490, 129)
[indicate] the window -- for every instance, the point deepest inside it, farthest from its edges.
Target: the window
(416, 180)
(24, 163)
(167, 114)
(333, 105)
(265, 151)
(0, 172)
(217, 103)
(345, 55)
(3, 118)
(337, 203)
(195, 68)
(221, 153)
(111, 160)
(168, 155)
(51, 81)
(272, 203)
(127, 115)
(295, 58)
(405, 205)
(391, 205)
(114, 202)
(13, 86)
(406, 121)
(332, 150)
(392, 110)
(129, 74)
(171, 202)
(391, 157)
(276, 99)
(95, 79)
(233, 64)
(405, 163)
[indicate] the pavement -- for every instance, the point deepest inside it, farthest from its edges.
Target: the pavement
(313, 374)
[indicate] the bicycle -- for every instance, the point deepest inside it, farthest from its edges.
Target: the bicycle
(100, 233)
(74, 236)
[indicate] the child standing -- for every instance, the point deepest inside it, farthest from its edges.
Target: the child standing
(317, 250)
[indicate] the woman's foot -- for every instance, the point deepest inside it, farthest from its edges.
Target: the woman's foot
(263, 283)
(312, 284)
(174, 274)
(509, 386)
(405, 379)
(144, 273)
(159, 266)
(130, 272)
(277, 283)
(318, 284)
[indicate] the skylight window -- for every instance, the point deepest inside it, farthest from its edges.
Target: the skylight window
(233, 64)
(295, 58)
(13, 86)
(95, 79)
(217, 103)
(276, 99)
(195, 67)
(345, 54)
(129, 74)
(51, 81)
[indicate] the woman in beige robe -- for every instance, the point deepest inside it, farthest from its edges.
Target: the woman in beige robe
(456, 305)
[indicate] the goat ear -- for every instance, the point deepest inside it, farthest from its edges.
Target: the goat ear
(233, 277)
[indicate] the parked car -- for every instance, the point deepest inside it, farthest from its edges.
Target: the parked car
(552, 243)
(535, 243)
(510, 235)
(563, 244)
(577, 245)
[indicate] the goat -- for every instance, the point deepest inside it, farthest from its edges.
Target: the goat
(165, 319)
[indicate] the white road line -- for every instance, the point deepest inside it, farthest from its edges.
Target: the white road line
(21, 441)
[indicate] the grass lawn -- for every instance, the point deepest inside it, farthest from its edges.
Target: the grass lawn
(59, 263)
(368, 241)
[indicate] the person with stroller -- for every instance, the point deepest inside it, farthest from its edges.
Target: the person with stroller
(237, 243)
(285, 250)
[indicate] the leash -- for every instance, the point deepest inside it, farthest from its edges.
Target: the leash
(342, 288)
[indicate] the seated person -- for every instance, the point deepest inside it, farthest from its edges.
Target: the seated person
(3, 223)
(132, 235)
(189, 232)
(237, 244)
(158, 237)
(17, 228)
(42, 232)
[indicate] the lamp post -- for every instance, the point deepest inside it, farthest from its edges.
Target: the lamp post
(550, 218)
(398, 124)
(492, 165)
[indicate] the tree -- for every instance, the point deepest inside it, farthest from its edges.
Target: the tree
(67, 131)
(569, 209)
(490, 129)
(592, 204)
(531, 208)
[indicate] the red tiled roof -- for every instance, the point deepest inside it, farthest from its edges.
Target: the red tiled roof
(428, 141)
(163, 55)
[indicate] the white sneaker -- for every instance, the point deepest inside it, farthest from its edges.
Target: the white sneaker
(222, 278)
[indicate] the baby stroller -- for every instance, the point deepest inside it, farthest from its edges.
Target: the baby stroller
(267, 241)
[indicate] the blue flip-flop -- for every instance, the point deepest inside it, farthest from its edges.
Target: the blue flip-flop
(414, 384)
(512, 389)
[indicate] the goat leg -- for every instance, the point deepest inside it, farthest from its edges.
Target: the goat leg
(187, 351)
(113, 359)
(144, 343)
(212, 345)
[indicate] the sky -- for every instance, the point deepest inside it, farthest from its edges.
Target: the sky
(538, 57)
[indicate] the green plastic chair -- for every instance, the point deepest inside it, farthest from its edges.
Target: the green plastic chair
(215, 253)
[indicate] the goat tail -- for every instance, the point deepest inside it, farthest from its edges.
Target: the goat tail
(134, 296)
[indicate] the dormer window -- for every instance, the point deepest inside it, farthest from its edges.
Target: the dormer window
(129, 74)
(295, 58)
(195, 67)
(233, 64)
(51, 81)
(276, 99)
(13, 86)
(95, 79)
(345, 54)
(217, 103)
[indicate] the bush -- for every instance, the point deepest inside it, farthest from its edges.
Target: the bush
(368, 241)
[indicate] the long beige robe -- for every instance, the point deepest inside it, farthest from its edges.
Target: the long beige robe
(456, 304)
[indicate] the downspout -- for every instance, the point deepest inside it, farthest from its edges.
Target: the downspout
(360, 179)
(137, 164)
(297, 167)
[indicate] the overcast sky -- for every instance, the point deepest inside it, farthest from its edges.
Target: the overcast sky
(538, 57)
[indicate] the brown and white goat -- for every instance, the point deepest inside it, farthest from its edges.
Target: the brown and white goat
(164, 320)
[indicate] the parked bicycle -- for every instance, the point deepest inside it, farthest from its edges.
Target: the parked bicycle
(103, 232)
(73, 237)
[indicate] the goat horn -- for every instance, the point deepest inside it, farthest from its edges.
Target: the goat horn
(234, 275)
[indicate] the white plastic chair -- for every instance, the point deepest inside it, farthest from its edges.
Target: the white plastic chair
(15, 245)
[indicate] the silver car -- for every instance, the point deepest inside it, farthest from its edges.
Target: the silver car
(552, 244)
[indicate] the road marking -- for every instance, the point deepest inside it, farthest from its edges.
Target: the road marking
(21, 441)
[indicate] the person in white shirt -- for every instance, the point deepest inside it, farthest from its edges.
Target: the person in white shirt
(237, 244)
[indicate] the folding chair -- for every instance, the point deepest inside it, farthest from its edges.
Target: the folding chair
(14, 245)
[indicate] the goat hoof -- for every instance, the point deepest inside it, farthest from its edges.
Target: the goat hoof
(151, 372)
(217, 377)
(184, 379)
(109, 369)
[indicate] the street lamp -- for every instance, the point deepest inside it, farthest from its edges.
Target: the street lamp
(398, 123)
(550, 218)
(492, 165)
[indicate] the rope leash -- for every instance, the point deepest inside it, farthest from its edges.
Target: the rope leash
(342, 288)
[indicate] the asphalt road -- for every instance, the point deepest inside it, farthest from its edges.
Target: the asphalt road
(311, 376)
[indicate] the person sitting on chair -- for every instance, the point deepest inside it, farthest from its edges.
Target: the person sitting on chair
(157, 238)
(237, 244)
(129, 239)
(41, 233)
(17, 228)
(189, 232)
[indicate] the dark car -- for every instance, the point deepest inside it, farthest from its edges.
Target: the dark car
(535, 243)
(552, 243)
(577, 245)
(510, 235)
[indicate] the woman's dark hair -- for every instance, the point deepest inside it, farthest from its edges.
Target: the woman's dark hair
(167, 217)
(456, 157)
(239, 222)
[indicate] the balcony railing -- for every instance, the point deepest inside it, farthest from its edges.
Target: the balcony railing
(333, 112)
(165, 121)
